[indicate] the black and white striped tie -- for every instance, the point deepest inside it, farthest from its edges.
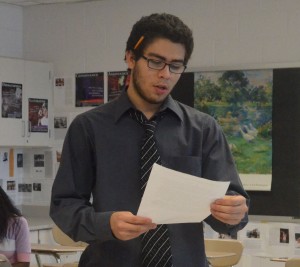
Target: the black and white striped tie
(156, 249)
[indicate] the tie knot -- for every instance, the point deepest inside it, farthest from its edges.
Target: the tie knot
(148, 125)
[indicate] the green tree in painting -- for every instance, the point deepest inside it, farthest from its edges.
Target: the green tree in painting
(234, 84)
(206, 91)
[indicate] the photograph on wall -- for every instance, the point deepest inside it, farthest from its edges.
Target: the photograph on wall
(19, 160)
(37, 187)
(11, 185)
(38, 115)
(25, 187)
(89, 89)
(297, 240)
(60, 122)
(284, 236)
(11, 100)
(116, 82)
(253, 233)
(59, 82)
(39, 160)
(241, 102)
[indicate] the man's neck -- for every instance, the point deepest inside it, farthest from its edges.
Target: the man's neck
(148, 109)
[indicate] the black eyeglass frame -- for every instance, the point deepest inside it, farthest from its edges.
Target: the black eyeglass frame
(156, 61)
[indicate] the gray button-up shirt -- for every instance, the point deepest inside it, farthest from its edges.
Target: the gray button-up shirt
(100, 158)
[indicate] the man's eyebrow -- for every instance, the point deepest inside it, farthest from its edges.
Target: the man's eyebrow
(164, 59)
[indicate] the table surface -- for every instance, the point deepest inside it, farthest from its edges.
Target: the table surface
(283, 259)
(52, 248)
(217, 254)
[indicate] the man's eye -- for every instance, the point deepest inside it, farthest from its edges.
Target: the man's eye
(156, 62)
(176, 67)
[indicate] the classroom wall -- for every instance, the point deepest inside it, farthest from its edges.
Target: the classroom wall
(84, 37)
(11, 31)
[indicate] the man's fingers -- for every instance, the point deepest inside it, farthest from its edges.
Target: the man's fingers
(229, 209)
(126, 226)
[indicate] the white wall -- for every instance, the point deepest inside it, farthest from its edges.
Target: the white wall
(11, 31)
(91, 36)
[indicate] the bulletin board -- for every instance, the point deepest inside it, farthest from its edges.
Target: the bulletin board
(284, 197)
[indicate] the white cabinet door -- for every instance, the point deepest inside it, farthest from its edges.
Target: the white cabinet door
(32, 80)
(38, 104)
(12, 126)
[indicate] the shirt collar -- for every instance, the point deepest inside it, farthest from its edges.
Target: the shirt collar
(123, 104)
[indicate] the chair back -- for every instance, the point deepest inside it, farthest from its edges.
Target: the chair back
(293, 262)
(62, 239)
(4, 261)
(74, 264)
(224, 245)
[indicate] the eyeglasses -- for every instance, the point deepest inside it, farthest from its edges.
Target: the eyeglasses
(157, 64)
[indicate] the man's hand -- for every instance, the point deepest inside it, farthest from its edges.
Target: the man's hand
(126, 226)
(229, 209)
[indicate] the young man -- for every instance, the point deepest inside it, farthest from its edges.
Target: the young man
(101, 158)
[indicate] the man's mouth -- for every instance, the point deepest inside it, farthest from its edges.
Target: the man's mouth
(161, 87)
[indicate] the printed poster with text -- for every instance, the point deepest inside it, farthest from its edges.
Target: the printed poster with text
(38, 115)
(116, 82)
(12, 100)
(89, 89)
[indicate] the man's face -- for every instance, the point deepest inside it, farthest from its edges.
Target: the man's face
(150, 87)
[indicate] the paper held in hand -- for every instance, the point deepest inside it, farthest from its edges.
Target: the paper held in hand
(176, 197)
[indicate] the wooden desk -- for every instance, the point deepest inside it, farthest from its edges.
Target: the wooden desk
(283, 259)
(54, 250)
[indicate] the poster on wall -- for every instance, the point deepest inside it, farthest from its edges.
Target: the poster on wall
(11, 100)
(89, 89)
(63, 93)
(38, 115)
(241, 102)
(116, 82)
(39, 162)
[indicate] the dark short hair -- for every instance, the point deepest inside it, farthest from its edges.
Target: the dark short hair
(7, 211)
(160, 26)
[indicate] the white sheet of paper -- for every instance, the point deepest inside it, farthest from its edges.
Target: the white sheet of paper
(176, 197)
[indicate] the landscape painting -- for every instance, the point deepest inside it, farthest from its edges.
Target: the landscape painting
(241, 102)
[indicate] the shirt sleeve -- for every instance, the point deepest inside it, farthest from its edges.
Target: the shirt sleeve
(23, 248)
(218, 164)
(70, 207)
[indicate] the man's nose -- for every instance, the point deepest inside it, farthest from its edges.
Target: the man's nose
(165, 72)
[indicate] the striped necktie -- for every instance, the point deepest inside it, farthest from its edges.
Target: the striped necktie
(156, 249)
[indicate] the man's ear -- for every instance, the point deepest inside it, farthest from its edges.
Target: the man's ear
(130, 59)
